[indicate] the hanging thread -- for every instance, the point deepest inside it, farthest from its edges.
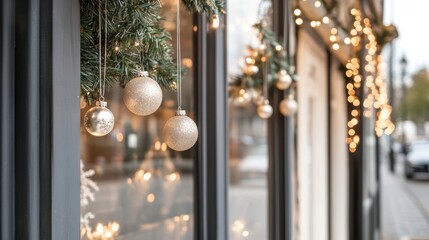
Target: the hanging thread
(179, 59)
(102, 73)
(264, 78)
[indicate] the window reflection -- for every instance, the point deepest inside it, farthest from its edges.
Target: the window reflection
(145, 189)
(248, 156)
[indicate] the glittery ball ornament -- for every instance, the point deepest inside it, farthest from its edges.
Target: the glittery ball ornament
(288, 106)
(180, 132)
(142, 95)
(265, 110)
(99, 120)
(284, 80)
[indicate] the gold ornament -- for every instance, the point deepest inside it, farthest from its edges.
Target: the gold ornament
(99, 120)
(142, 95)
(265, 110)
(180, 132)
(284, 80)
(288, 106)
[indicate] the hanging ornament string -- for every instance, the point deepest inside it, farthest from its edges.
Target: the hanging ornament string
(264, 78)
(99, 120)
(102, 73)
(179, 59)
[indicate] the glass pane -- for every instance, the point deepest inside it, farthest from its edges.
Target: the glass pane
(144, 188)
(248, 156)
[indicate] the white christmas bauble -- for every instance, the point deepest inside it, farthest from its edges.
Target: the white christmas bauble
(142, 95)
(242, 98)
(265, 110)
(180, 132)
(288, 106)
(99, 120)
(259, 100)
(284, 80)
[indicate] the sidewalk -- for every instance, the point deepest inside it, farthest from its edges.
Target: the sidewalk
(404, 206)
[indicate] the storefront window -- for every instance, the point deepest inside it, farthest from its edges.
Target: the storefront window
(248, 156)
(145, 190)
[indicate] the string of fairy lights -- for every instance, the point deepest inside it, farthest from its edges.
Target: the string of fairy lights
(368, 72)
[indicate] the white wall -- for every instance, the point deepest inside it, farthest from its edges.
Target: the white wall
(339, 155)
(312, 188)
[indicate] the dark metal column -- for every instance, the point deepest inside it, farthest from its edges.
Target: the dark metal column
(281, 140)
(211, 171)
(40, 119)
(7, 119)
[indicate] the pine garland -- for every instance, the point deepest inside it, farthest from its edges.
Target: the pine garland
(273, 51)
(135, 38)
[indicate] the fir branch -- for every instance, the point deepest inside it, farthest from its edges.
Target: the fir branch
(210, 7)
(276, 57)
(130, 22)
(134, 29)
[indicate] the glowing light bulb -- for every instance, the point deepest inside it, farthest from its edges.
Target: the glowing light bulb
(297, 12)
(215, 21)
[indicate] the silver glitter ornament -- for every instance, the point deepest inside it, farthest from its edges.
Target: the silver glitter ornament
(142, 95)
(288, 106)
(99, 120)
(284, 80)
(265, 110)
(180, 132)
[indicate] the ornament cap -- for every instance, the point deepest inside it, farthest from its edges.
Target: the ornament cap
(143, 74)
(101, 103)
(180, 113)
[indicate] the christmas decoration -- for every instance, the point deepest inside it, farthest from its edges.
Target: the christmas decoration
(134, 28)
(265, 110)
(265, 65)
(284, 80)
(87, 189)
(99, 120)
(180, 132)
(288, 106)
(142, 95)
(242, 97)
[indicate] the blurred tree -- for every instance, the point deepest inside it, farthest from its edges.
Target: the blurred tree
(416, 104)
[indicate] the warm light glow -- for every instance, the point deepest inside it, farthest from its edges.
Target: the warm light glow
(347, 40)
(157, 145)
(147, 176)
(119, 137)
(185, 217)
(100, 228)
(215, 21)
(115, 226)
(150, 198)
(279, 48)
(297, 12)
(325, 20)
(335, 46)
(317, 3)
(299, 21)
(245, 233)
